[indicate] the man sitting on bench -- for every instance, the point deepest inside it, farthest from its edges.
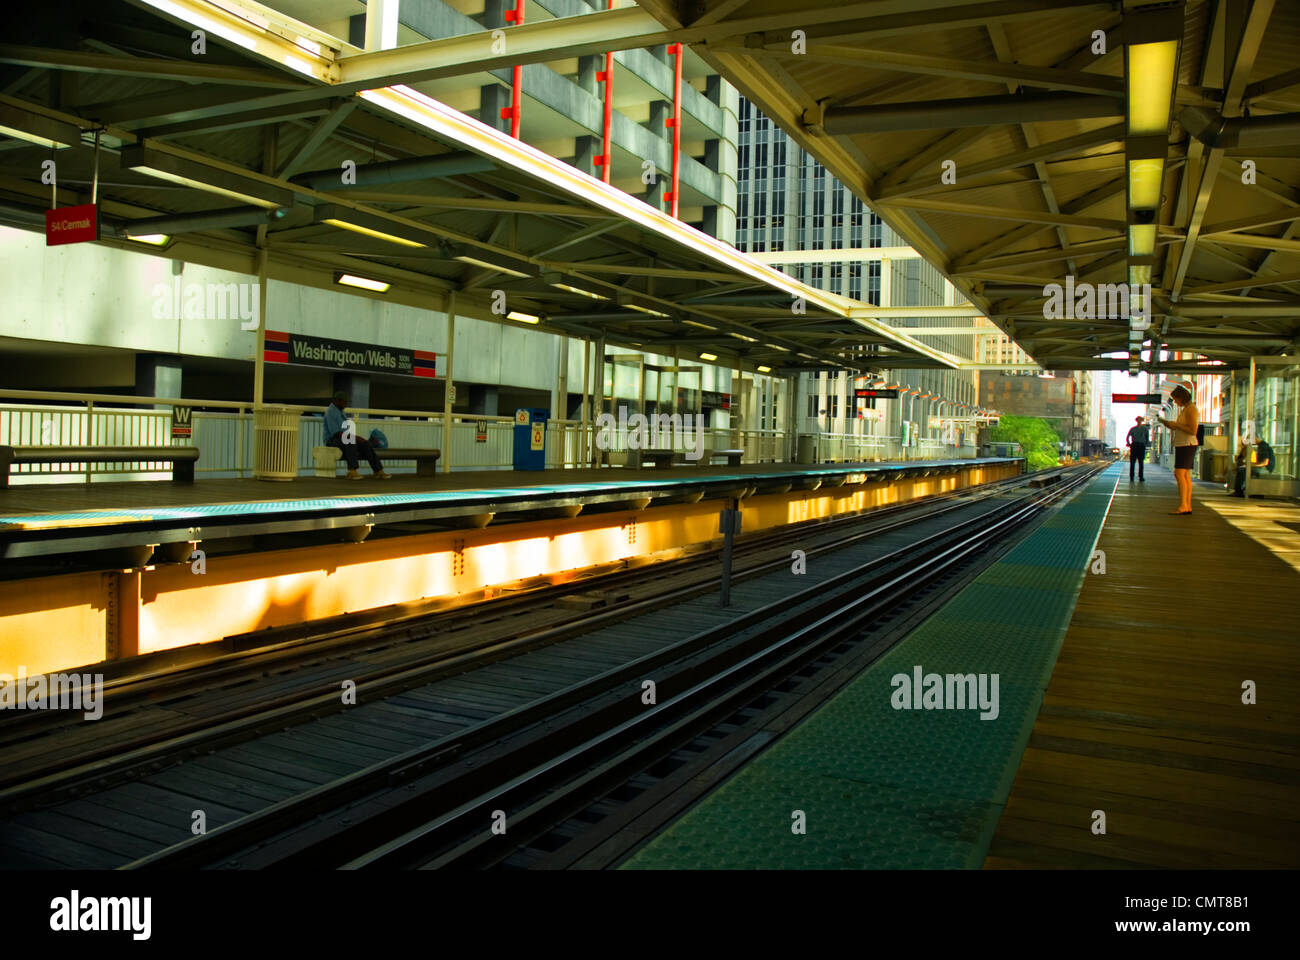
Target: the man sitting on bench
(334, 435)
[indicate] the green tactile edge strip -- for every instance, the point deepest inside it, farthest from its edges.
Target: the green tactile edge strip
(1052, 562)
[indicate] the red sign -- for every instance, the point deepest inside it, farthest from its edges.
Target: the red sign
(1135, 398)
(72, 225)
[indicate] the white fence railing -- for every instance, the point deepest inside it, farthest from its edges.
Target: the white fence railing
(224, 434)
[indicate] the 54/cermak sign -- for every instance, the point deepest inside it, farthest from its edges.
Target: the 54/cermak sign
(308, 351)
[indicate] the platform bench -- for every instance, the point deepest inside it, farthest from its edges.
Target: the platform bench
(733, 456)
(659, 458)
(426, 461)
(182, 459)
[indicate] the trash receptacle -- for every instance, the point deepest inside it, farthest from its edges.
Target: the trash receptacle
(275, 444)
(530, 438)
(807, 449)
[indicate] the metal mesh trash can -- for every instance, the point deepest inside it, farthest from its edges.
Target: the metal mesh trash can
(275, 444)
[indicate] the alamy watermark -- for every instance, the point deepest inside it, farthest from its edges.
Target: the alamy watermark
(207, 301)
(1096, 301)
(952, 691)
(652, 432)
(53, 691)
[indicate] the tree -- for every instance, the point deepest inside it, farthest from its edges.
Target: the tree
(1038, 440)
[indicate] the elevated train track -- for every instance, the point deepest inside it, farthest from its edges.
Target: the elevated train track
(271, 746)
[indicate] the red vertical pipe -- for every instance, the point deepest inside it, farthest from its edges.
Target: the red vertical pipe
(676, 120)
(515, 16)
(606, 76)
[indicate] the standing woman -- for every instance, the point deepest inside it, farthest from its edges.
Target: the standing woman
(1184, 431)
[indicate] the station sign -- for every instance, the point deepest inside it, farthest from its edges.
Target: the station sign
(308, 351)
(182, 423)
(874, 393)
(708, 398)
(480, 431)
(1135, 398)
(72, 224)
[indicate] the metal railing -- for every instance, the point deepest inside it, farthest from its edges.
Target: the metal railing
(224, 433)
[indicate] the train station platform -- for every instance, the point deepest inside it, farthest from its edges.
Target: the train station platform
(1118, 691)
(105, 571)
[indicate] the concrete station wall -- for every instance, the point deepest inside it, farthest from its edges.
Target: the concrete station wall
(98, 296)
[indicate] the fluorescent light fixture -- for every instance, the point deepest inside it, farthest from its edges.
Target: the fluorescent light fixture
(708, 356)
(1141, 239)
(187, 173)
(1145, 178)
(741, 336)
(523, 317)
(1139, 273)
(1150, 86)
(35, 128)
(702, 326)
(155, 239)
(363, 223)
(806, 356)
(491, 266)
(367, 231)
(641, 309)
(777, 346)
(579, 291)
(763, 369)
(365, 283)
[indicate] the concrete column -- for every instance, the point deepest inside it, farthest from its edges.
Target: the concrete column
(587, 69)
(660, 110)
(483, 399)
(493, 98)
(356, 386)
(720, 156)
(157, 375)
(587, 149)
(560, 395)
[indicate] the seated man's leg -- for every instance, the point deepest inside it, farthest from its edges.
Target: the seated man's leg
(349, 451)
(1239, 486)
(368, 452)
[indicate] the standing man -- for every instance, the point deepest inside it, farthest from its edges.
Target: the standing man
(336, 434)
(1139, 435)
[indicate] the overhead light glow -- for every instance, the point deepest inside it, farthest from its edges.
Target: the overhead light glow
(37, 129)
(708, 356)
(156, 239)
(1139, 273)
(741, 336)
(188, 173)
(702, 326)
(491, 266)
(641, 309)
(365, 283)
(1150, 86)
(763, 369)
(1144, 182)
(523, 317)
(369, 232)
(579, 291)
(1141, 239)
(777, 346)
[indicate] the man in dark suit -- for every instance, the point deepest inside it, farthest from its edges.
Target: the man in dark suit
(1139, 435)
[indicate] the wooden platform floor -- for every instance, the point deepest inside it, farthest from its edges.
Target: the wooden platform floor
(1143, 718)
(48, 498)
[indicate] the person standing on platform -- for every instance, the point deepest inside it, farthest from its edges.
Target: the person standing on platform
(334, 437)
(1139, 435)
(1184, 431)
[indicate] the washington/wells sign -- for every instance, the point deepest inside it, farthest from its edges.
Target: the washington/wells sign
(308, 351)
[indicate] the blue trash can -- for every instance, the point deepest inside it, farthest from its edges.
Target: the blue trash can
(530, 438)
